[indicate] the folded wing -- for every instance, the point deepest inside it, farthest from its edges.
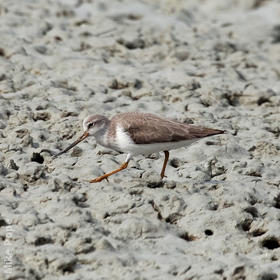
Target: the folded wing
(148, 128)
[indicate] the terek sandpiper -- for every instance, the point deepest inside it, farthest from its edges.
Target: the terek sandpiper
(139, 133)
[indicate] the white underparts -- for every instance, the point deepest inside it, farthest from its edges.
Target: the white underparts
(126, 144)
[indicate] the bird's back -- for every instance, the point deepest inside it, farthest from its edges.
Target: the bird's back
(148, 128)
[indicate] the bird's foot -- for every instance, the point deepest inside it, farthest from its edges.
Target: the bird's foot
(99, 179)
(105, 176)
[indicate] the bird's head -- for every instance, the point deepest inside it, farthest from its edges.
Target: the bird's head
(94, 123)
(91, 125)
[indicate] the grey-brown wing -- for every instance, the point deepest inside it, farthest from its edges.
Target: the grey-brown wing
(148, 128)
(200, 131)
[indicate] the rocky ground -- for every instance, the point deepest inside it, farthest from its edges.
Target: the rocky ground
(212, 63)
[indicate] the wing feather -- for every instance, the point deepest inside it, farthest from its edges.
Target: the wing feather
(148, 128)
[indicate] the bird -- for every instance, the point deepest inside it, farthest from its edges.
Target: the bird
(137, 133)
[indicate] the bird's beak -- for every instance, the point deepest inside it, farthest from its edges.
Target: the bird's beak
(80, 139)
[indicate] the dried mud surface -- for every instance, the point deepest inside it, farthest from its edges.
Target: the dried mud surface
(212, 63)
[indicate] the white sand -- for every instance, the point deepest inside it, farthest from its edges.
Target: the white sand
(216, 63)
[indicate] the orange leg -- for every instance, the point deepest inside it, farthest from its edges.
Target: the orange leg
(166, 156)
(105, 176)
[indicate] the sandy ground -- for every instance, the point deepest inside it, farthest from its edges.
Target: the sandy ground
(212, 63)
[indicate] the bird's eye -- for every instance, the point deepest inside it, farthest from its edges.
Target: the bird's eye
(90, 125)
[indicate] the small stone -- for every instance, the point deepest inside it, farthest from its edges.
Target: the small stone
(104, 244)
(77, 152)
(41, 49)
(182, 54)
